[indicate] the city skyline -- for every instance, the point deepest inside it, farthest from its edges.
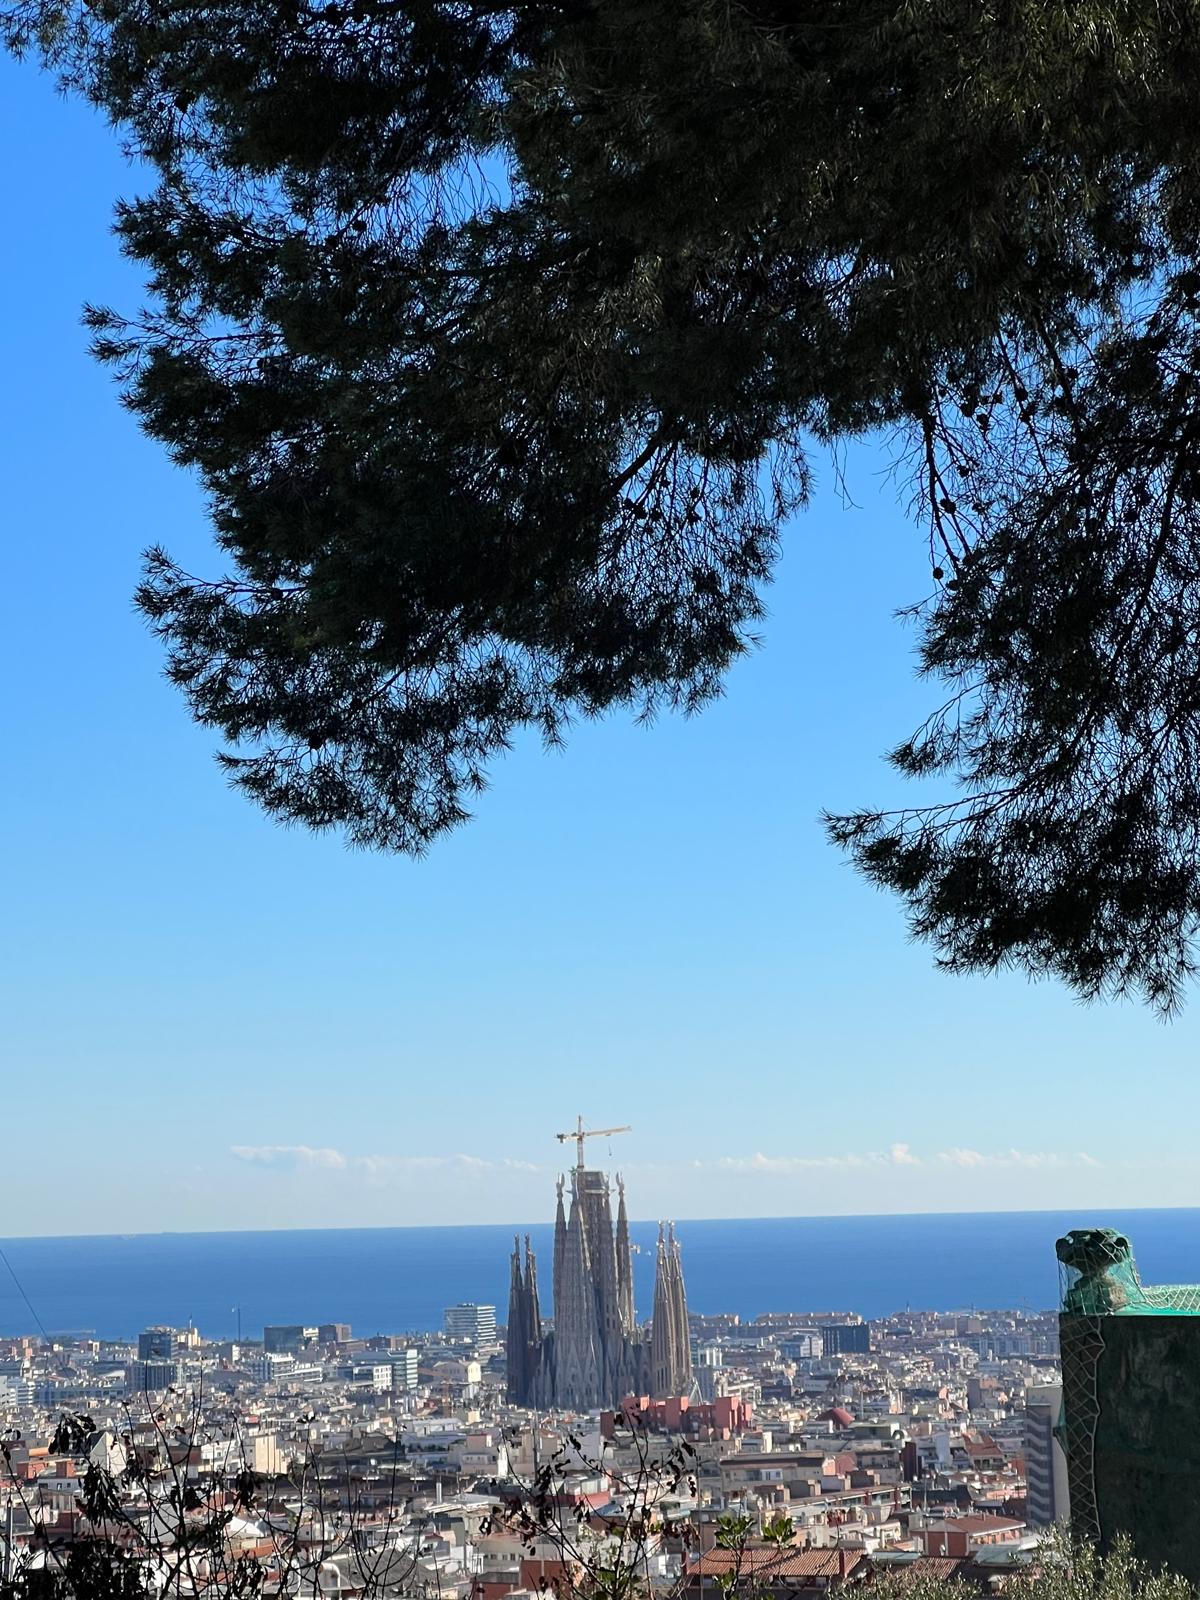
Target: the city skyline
(653, 915)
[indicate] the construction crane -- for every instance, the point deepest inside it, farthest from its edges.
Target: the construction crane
(580, 1133)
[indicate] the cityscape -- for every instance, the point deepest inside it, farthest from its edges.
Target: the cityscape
(626, 563)
(924, 1441)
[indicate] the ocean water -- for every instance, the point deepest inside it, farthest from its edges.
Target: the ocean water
(400, 1279)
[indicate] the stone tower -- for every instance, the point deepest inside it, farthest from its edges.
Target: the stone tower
(624, 1263)
(517, 1336)
(523, 1345)
(596, 1355)
(670, 1341)
(578, 1352)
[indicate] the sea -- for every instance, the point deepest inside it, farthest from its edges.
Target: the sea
(392, 1280)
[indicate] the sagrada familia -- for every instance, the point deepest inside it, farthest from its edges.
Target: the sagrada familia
(595, 1354)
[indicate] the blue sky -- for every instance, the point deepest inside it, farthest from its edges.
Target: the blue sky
(210, 1021)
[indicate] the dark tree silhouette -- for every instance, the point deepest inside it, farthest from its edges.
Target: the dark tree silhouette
(498, 336)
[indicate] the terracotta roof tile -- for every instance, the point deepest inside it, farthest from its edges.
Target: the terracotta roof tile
(768, 1563)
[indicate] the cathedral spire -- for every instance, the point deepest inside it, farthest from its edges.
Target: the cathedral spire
(683, 1345)
(624, 1263)
(670, 1341)
(533, 1307)
(598, 1218)
(660, 1326)
(517, 1334)
(577, 1343)
(560, 1247)
(593, 1354)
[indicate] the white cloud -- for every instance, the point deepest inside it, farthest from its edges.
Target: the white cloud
(387, 1168)
(377, 1169)
(1015, 1158)
(901, 1154)
(289, 1157)
(762, 1163)
(382, 1170)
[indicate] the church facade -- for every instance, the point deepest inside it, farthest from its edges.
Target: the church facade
(595, 1354)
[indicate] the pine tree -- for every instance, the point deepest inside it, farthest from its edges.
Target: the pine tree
(498, 337)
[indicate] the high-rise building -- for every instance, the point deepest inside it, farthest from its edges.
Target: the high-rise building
(287, 1338)
(376, 1375)
(145, 1377)
(708, 1361)
(471, 1324)
(333, 1333)
(1045, 1461)
(595, 1354)
(404, 1369)
(802, 1344)
(156, 1344)
(17, 1391)
(846, 1338)
(272, 1365)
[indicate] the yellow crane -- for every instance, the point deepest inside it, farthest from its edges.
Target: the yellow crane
(580, 1133)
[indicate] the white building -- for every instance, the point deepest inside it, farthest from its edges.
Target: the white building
(272, 1364)
(471, 1324)
(1045, 1459)
(17, 1393)
(402, 1364)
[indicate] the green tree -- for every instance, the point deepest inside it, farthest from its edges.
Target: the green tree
(498, 335)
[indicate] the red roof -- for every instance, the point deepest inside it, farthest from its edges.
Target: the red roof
(925, 1567)
(977, 1522)
(770, 1563)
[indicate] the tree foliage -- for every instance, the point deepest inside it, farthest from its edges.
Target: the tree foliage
(153, 1523)
(164, 1507)
(497, 336)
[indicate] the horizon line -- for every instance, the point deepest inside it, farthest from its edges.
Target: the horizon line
(650, 1222)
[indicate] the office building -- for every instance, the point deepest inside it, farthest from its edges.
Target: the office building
(471, 1324)
(404, 1369)
(1045, 1460)
(156, 1344)
(287, 1338)
(147, 1377)
(845, 1338)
